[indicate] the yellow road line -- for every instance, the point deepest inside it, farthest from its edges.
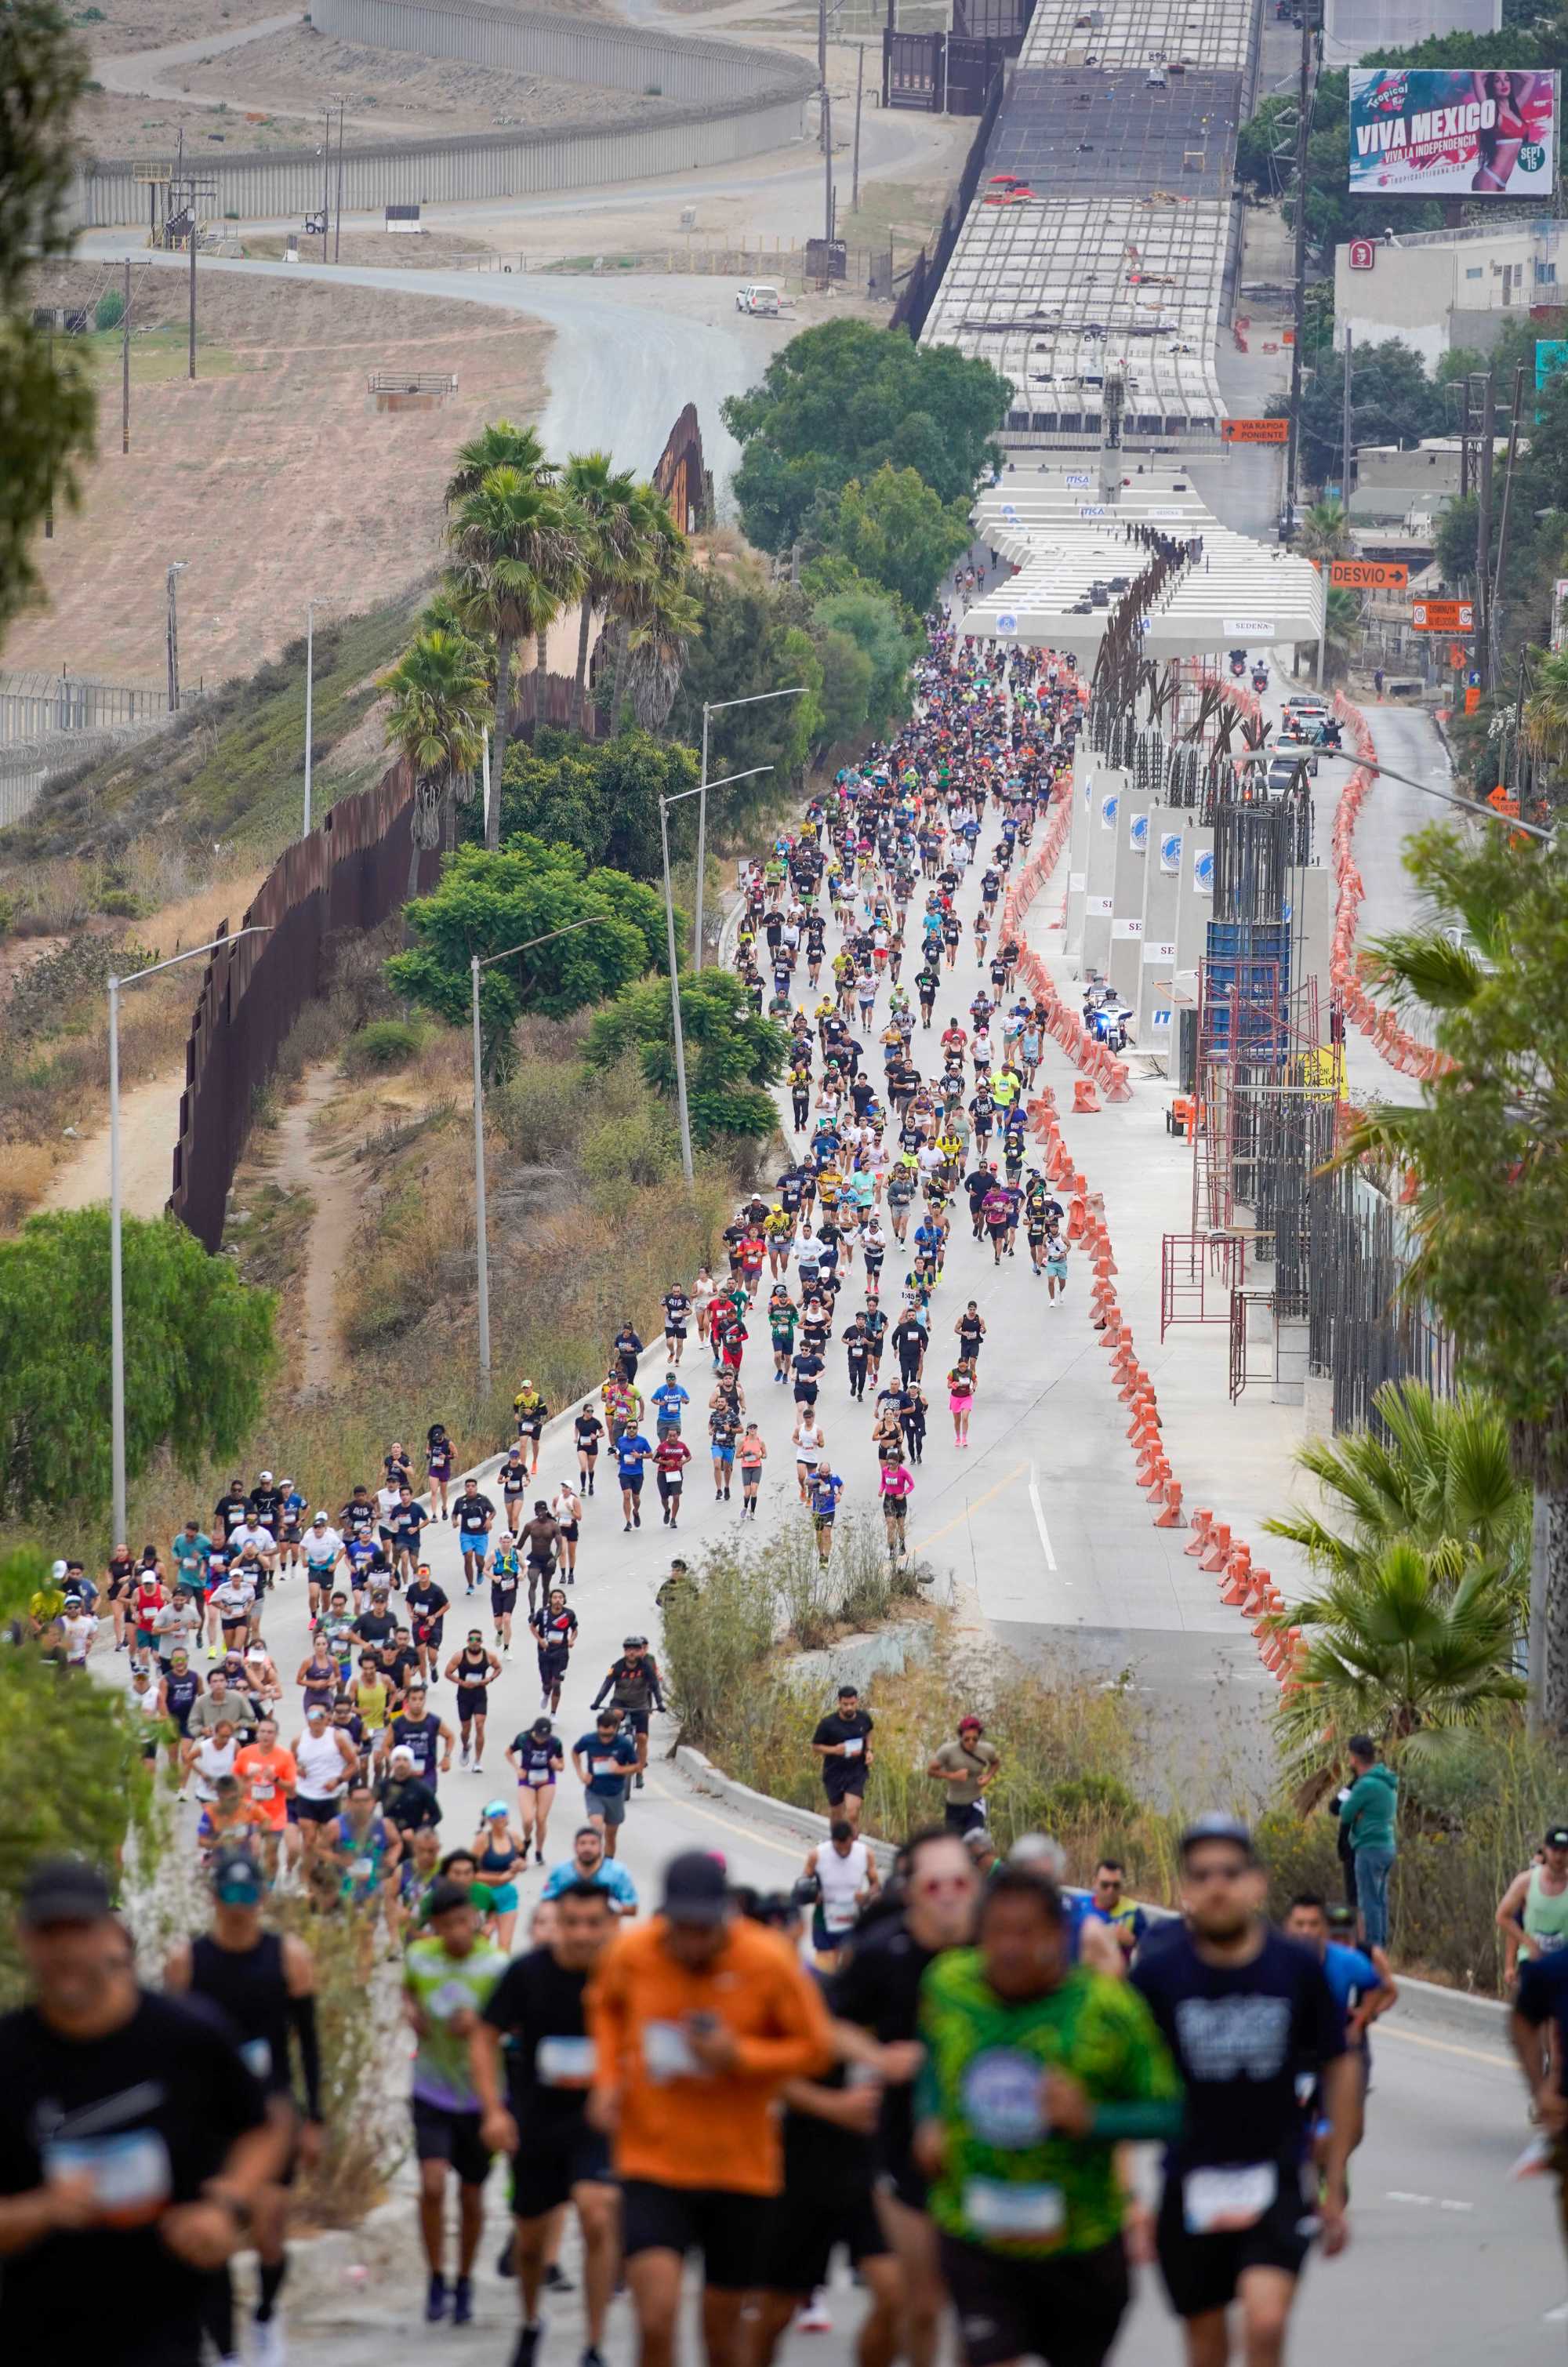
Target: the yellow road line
(1443, 2047)
(764, 1841)
(959, 1518)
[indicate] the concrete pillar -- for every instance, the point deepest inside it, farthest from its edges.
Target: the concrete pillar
(1310, 891)
(1127, 894)
(1194, 910)
(1077, 849)
(1290, 1361)
(1168, 826)
(1100, 866)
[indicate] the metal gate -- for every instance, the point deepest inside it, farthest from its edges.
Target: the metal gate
(914, 71)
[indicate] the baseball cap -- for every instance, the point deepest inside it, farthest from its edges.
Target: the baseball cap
(971, 1725)
(58, 1569)
(696, 1888)
(1216, 1827)
(404, 1753)
(541, 1725)
(266, 1478)
(320, 1521)
(64, 1890)
(1558, 1836)
(495, 1808)
(237, 1880)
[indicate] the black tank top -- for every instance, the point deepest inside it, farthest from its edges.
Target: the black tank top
(471, 1673)
(251, 1986)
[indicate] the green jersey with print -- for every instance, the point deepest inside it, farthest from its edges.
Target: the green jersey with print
(1006, 2182)
(441, 1987)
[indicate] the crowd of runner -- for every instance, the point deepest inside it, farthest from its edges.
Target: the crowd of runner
(940, 2066)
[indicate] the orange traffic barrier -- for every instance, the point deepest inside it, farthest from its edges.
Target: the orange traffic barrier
(1086, 1102)
(1118, 1085)
(1171, 1516)
(1077, 1220)
(1202, 1524)
(1219, 1552)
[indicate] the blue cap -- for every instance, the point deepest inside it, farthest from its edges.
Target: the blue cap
(237, 1880)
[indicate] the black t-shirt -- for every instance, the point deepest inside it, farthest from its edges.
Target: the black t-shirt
(375, 1627)
(533, 2003)
(405, 1522)
(475, 1514)
(264, 1502)
(590, 1430)
(1240, 2035)
(841, 1776)
(805, 1369)
(153, 2109)
(425, 1602)
(231, 1514)
(879, 1988)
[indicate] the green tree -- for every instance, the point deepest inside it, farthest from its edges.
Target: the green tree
(1546, 710)
(896, 530)
(99, 1787)
(46, 396)
(601, 798)
(752, 639)
(499, 444)
(839, 401)
(660, 632)
(199, 1351)
(1341, 630)
(1324, 532)
(517, 561)
(843, 699)
(615, 543)
(437, 690)
(874, 623)
(1488, 1142)
(489, 900)
(732, 1056)
(1395, 402)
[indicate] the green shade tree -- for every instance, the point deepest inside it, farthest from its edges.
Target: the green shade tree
(896, 530)
(732, 1056)
(751, 639)
(1488, 1142)
(517, 561)
(99, 1789)
(199, 1351)
(490, 901)
(843, 701)
(1395, 402)
(47, 407)
(874, 623)
(600, 797)
(839, 401)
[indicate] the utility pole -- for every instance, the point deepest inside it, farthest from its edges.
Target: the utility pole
(860, 93)
(338, 228)
(327, 186)
(822, 61)
(125, 365)
(1483, 538)
(1494, 598)
(1303, 125)
(193, 282)
(1347, 432)
(309, 694)
(827, 163)
(172, 634)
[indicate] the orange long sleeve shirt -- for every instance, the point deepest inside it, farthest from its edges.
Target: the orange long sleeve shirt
(691, 2128)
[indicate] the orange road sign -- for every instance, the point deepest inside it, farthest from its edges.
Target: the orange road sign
(1369, 574)
(1442, 617)
(1255, 431)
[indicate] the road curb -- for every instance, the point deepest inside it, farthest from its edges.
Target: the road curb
(803, 1824)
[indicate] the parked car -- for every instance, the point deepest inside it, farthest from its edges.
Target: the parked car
(757, 297)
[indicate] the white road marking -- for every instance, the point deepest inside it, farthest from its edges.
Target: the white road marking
(1557, 2317)
(1040, 1517)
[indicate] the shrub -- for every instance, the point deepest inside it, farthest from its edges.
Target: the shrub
(110, 310)
(384, 1043)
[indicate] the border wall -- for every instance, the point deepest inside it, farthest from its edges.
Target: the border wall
(730, 102)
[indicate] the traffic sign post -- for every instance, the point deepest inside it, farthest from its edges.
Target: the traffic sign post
(1369, 574)
(1442, 617)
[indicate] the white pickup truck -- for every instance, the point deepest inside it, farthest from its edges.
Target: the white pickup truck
(756, 296)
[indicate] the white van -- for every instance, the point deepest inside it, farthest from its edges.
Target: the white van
(756, 297)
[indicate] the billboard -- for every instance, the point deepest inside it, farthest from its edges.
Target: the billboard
(1429, 132)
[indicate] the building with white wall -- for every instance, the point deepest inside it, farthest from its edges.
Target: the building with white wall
(1353, 29)
(1438, 289)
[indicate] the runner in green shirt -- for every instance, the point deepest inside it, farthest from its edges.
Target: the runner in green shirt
(1035, 2071)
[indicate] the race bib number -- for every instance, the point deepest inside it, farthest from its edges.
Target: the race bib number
(537, 1776)
(1222, 2201)
(449, 1999)
(996, 2207)
(606, 1767)
(667, 2051)
(131, 2175)
(854, 1748)
(564, 2062)
(263, 1788)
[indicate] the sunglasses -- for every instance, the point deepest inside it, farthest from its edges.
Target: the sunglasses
(933, 1885)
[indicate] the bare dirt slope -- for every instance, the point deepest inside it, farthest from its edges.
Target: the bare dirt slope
(274, 480)
(119, 26)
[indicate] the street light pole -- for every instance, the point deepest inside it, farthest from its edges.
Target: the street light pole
(310, 690)
(116, 1266)
(676, 1026)
(717, 706)
(172, 633)
(1475, 808)
(481, 1206)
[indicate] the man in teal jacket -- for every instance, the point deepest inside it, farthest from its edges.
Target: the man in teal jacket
(1368, 1814)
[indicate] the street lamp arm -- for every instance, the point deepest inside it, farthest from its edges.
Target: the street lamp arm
(595, 921)
(1476, 808)
(699, 788)
(133, 978)
(717, 706)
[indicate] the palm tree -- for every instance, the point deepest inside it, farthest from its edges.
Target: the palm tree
(1324, 532)
(438, 690)
(666, 622)
(613, 540)
(1341, 629)
(499, 445)
(518, 561)
(645, 588)
(1399, 1648)
(1546, 710)
(1436, 1470)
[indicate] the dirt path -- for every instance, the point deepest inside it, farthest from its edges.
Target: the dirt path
(299, 1163)
(148, 1123)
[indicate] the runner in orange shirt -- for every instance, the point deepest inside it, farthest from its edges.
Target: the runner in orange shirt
(267, 1775)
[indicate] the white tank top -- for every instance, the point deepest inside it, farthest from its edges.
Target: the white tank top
(321, 1765)
(841, 1878)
